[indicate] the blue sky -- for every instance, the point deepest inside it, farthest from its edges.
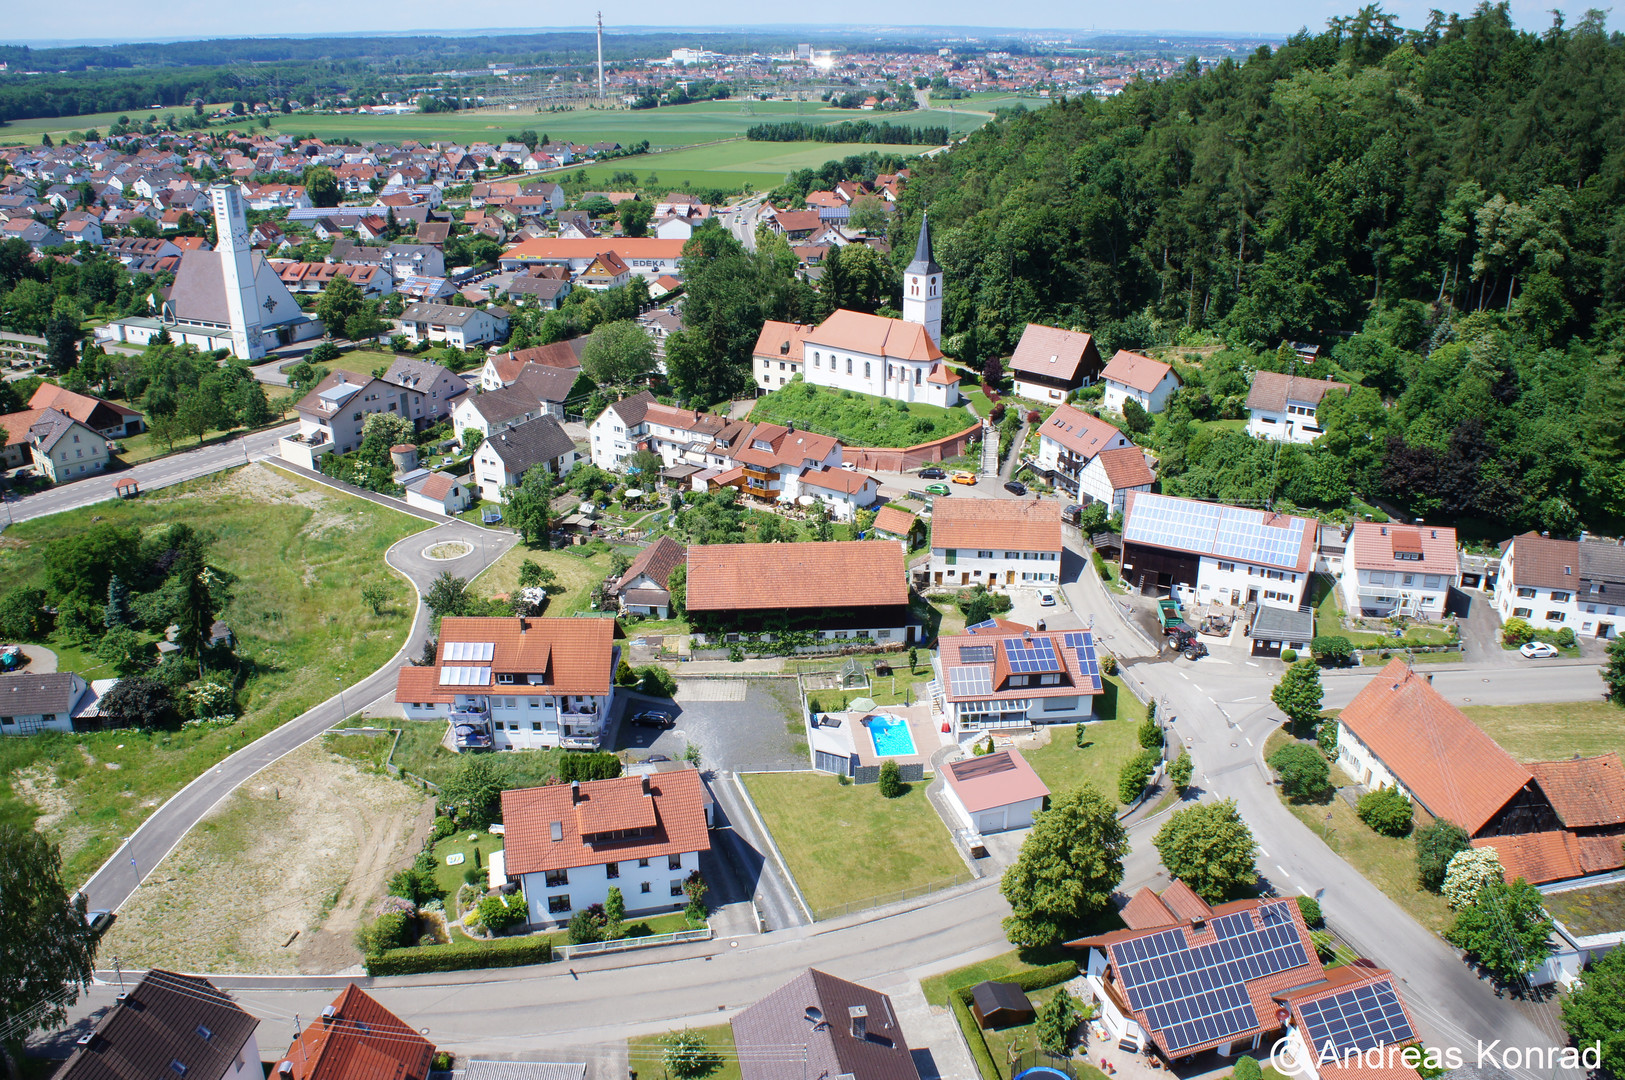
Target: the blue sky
(120, 20)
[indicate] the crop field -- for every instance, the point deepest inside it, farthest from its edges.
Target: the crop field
(736, 164)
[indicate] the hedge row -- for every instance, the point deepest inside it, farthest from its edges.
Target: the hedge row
(974, 1038)
(462, 955)
(1037, 978)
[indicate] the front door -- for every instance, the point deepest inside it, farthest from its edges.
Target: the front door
(939, 577)
(1252, 596)
(1009, 577)
(1605, 630)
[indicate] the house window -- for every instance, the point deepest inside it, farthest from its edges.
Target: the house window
(849, 365)
(504, 678)
(557, 878)
(677, 886)
(559, 905)
(535, 725)
(643, 864)
(1555, 616)
(674, 862)
(1560, 597)
(866, 369)
(1526, 594)
(646, 887)
(612, 870)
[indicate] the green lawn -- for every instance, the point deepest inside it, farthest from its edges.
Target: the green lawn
(938, 988)
(1387, 862)
(1062, 765)
(146, 446)
(847, 843)
(735, 165)
(1004, 1043)
(301, 554)
(645, 1055)
(571, 594)
(449, 878)
(860, 419)
(1553, 731)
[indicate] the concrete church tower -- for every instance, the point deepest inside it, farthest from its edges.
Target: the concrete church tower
(922, 287)
(237, 271)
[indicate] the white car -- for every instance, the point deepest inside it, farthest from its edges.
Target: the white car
(1538, 650)
(1046, 599)
(849, 466)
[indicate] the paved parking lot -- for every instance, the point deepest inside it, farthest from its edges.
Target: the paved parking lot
(738, 724)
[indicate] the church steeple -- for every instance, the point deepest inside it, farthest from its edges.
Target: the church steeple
(922, 286)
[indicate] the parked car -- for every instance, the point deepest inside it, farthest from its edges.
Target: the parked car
(1539, 650)
(651, 718)
(931, 472)
(1015, 487)
(849, 466)
(1072, 513)
(99, 921)
(964, 478)
(936, 489)
(1046, 599)
(655, 757)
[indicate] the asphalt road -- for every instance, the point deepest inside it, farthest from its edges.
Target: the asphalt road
(157, 836)
(150, 475)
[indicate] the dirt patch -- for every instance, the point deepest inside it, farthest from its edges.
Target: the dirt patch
(38, 785)
(277, 878)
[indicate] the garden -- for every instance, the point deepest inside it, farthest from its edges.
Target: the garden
(859, 419)
(1396, 634)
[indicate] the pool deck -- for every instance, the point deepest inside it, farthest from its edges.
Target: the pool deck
(926, 737)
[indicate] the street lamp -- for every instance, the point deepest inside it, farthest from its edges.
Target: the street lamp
(344, 714)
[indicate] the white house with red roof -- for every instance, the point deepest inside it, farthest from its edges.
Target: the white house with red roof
(843, 491)
(994, 792)
(568, 845)
(995, 542)
(1091, 459)
(516, 683)
(1391, 569)
(778, 356)
(1011, 679)
(1131, 376)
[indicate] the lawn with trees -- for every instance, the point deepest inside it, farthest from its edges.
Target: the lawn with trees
(859, 419)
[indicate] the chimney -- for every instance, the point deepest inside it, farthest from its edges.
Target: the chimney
(285, 1069)
(524, 624)
(646, 792)
(860, 1021)
(575, 792)
(329, 1014)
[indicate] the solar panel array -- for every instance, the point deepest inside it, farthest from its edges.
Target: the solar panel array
(970, 680)
(976, 654)
(1083, 648)
(985, 624)
(1031, 654)
(479, 652)
(459, 675)
(1227, 532)
(1192, 996)
(1358, 1019)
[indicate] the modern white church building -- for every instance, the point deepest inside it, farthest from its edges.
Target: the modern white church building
(229, 298)
(892, 358)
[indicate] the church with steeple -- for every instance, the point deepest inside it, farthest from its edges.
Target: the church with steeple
(869, 354)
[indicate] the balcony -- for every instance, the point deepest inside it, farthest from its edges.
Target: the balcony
(478, 709)
(579, 742)
(589, 709)
(761, 492)
(471, 736)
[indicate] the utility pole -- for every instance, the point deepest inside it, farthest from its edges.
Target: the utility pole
(600, 54)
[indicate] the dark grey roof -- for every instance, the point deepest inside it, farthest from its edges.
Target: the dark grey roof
(1283, 624)
(546, 288)
(199, 293)
(28, 694)
(354, 254)
(445, 314)
(418, 374)
(633, 409)
(524, 1070)
(543, 383)
(1602, 563)
(923, 262)
(815, 1010)
(505, 403)
(531, 443)
(168, 1019)
(992, 996)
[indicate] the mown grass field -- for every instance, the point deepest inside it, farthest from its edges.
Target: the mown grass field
(646, 1055)
(301, 555)
(1552, 731)
(860, 419)
(570, 594)
(737, 164)
(1064, 766)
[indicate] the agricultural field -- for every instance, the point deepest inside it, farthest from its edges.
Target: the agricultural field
(736, 164)
(301, 554)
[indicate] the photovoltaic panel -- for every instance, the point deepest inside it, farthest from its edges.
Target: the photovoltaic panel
(970, 680)
(985, 624)
(1357, 1019)
(1031, 655)
(1229, 532)
(976, 654)
(459, 675)
(1083, 649)
(479, 652)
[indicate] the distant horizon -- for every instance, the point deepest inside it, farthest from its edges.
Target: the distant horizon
(1225, 19)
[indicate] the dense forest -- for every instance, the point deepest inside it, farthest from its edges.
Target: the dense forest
(1439, 207)
(848, 131)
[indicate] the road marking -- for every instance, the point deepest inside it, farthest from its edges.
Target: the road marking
(1249, 741)
(1261, 850)
(1283, 872)
(1249, 697)
(1252, 663)
(1184, 676)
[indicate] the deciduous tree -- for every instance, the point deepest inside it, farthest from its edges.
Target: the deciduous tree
(1299, 694)
(1506, 929)
(1210, 848)
(1067, 869)
(1594, 1011)
(1437, 843)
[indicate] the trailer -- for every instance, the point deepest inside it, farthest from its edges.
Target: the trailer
(1168, 615)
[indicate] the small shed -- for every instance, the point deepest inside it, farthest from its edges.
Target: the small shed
(997, 1005)
(1275, 629)
(995, 792)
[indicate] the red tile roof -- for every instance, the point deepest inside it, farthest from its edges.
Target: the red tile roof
(1133, 370)
(835, 574)
(1077, 431)
(842, 480)
(1061, 354)
(1146, 910)
(1182, 900)
(895, 520)
(625, 247)
(875, 335)
(576, 655)
(362, 1041)
(1585, 792)
(1000, 524)
(994, 780)
(782, 340)
(657, 561)
(421, 685)
(1374, 546)
(1448, 763)
(1544, 563)
(1271, 390)
(1126, 468)
(1556, 855)
(673, 811)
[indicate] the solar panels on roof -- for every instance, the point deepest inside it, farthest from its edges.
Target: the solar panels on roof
(970, 680)
(1083, 648)
(465, 676)
(976, 654)
(1031, 654)
(1358, 1019)
(1229, 532)
(985, 624)
(461, 651)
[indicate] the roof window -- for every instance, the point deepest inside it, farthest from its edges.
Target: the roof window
(204, 1033)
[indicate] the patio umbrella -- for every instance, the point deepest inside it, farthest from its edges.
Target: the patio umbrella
(862, 704)
(806, 500)
(634, 493)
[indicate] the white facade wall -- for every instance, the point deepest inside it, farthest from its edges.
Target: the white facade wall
(491, 474)
(1154, 402)
(863, 373)
(524, 717)
(1016, 815)
(1553, 609)
(1296, 425)
(1095, 484)
(344, 423)
(80, 452)
(645, 889)
(465, 417)
(1361, 764)
(842, 506)
(968, 720)
(772, 372)
(1382, 591)
(479, 328)
(1033, 391)
(1225, 581)
(970, 566)
(456, 500)
(612, 442)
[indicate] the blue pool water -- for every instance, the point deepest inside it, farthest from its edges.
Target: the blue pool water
(891, 736)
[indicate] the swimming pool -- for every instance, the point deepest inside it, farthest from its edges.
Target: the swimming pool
(891, 736)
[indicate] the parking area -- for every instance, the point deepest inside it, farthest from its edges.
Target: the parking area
(737, 723)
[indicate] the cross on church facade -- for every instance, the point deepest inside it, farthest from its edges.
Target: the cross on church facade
(269, 305)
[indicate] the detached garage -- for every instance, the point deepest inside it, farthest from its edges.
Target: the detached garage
(1275, 629)
(995, 792)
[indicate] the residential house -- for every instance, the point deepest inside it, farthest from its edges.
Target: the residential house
(900, 522)
(1399, 570)
(771, 462)
(314, 277)
(492, 411)
(60, 447)
(459, 327)
(503, 459)
(1185, 977)
(516, 683)
(995, 542)
(1216, 554)
(104, 417)
(1276, 629)
(660, 323)
(777, 358)
(1285, 408)
(606, 271)
(643, 590)
(357, 1037)
(35, 234)
(439, 387)
(332, 415)
(437, 492)
(567, 845)
(850, 591)
(616, 432)
(168, 1025)
(994, 792)
(575, 224)
(33, 702)
(842, 491)
(839, 1028)
(503, 369)
(83, 231)
(1148, 382)
(1336, 1029)
(1090, 459)
(1556, 583)
(541, 286)
(648, 257)
(1050, 363)
(415, 260)
(1588, 797)
(425, 289)
(1008, 678)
